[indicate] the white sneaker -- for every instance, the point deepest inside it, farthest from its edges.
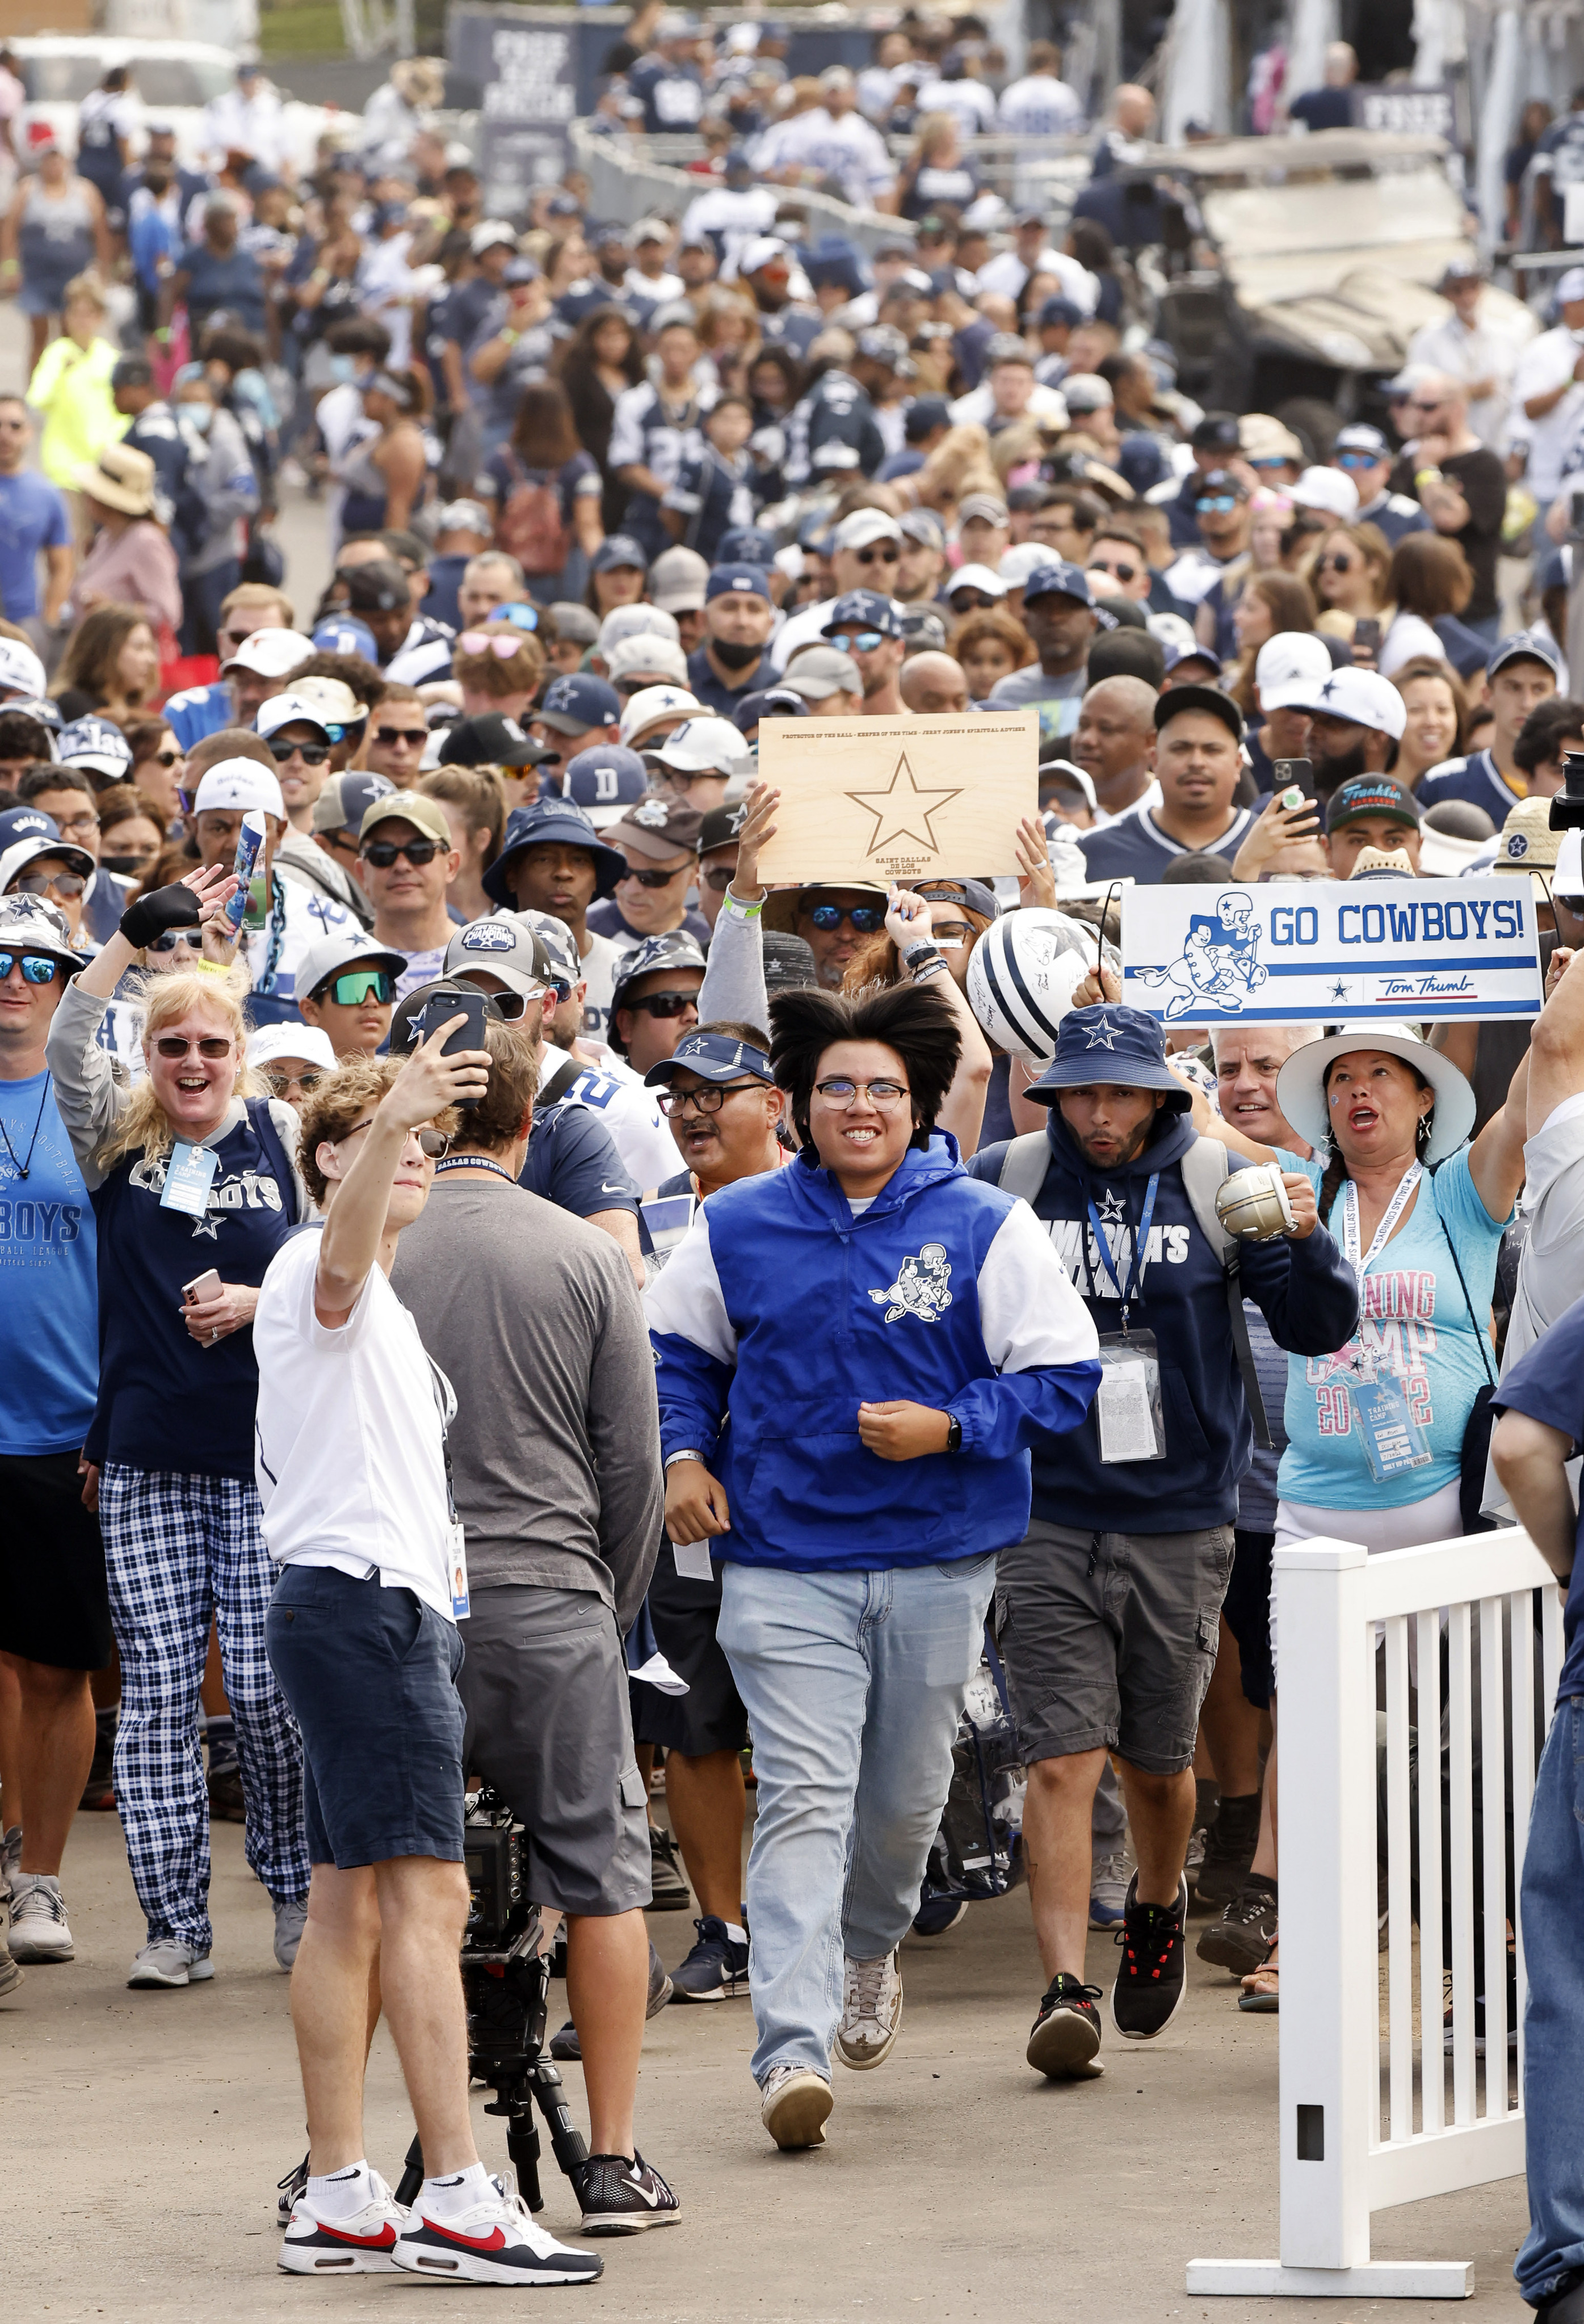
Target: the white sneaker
(795, 2103)
(871, 2012)
(493, 2241)
(356, 2243)
(169, 1961)
(37, 1919)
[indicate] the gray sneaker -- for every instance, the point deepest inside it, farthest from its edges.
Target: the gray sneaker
(10, 1855)
(39, 1931)
(291, 1914)
(169, 1961)
(1108, 1890)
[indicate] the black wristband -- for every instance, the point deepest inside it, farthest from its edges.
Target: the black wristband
(953, 1433)
(175, 907)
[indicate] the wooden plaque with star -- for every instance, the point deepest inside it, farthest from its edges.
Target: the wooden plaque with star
(898, 798)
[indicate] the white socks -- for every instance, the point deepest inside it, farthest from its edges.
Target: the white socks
(738, 1936)
(343, 2194)
(455, 2191)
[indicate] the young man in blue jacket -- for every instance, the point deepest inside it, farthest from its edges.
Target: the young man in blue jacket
(891, 1338)
(1107, 1613)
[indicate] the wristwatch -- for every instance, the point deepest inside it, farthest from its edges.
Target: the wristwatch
(953, 1433)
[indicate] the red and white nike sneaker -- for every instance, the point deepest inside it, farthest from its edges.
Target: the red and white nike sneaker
(360, 2244)
(494, 2241)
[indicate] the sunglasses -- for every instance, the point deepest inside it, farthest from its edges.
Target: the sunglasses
(1339, 563)
(340, 842)
(175, 1046)
(972, 601)
(383, 853)
(718, 878)
(283, 1085)
(859, 641)
(169, 938)
(1414, 404)
(885, 552)
(50, 883)
(1221, 502)
(1355, 460)
(312, 754)
(709, 1099)
(885, 1096)
(475, 641)
(1276, 460)
(358, 984)
(434, 1142)
(387, 737)
(865, 918)
(1119, 572)
(37, 968)
(655, 879)
(665, 1004)
(163, 759)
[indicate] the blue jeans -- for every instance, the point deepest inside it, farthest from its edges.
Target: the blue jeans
(853, 1685)
(1553, 2017)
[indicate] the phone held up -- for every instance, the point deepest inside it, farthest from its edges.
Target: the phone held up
(463, 1001)
(1293, 774)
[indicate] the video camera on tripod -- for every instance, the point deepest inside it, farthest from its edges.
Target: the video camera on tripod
(505, 1984)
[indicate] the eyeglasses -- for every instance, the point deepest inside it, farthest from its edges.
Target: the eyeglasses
(383, 853)
(858, 640)
(654, 878)
(883, 552)
(387, 737)
(1338, 563)
(359, 984)
(475, 641)
(1117, 572)
(174, 1045)
(718, 878)
(283, 1085)
(312, 754)
(169, 938)
(883, 1096)
(37, 968)
(87, 821)
(865, 918)
(50, 883)
(708, 1099)
(665, 1004)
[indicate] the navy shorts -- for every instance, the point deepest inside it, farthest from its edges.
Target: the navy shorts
(371, 1676)
(1246, 1608)
(710, 1716)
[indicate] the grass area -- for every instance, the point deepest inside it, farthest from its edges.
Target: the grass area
(305, 28)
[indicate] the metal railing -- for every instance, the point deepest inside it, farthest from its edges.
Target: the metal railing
(1374, 2111)
(626, 183)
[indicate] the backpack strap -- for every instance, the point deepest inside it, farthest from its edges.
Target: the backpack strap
(1204, 1166)
(559, 1083)
(1024, 1165)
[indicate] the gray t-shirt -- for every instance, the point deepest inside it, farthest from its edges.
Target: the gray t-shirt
(1032, 684)
(555, 1449)
(1551, 1273)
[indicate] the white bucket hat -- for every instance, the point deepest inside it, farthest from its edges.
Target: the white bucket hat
(1300, 1086)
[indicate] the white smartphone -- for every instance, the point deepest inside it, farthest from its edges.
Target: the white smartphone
(202, 1287)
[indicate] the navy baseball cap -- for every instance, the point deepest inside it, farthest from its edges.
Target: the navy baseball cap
(545, 822)
(714, 1058)
(19, 823)
(1060, 311)
(346, 798)
(924, 415)
(736, 581)
(1058, 579)
(746, 544)
(605, 781)
(1109, 1042)
(578, 700)
(769, 702)
(619, 548)
(1360, 438)
(339, 633)
(1523, 645)
(865, 609)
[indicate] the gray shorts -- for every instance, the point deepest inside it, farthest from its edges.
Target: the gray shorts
(545, 1687)
(1109, 1640)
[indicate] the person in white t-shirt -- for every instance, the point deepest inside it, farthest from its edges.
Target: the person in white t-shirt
(362, 1637)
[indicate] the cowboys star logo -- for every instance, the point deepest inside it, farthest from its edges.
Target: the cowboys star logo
(919, 1288)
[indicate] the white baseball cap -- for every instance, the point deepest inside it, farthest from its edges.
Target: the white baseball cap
(980, 576)
(272, 653)
(705, 745)
(270, 1043)
(290, 709)
(20, 670)
(865, 525)
(648, 655)
(652, 702)
(1288, 668)
(1362, 697)
(1018, 562)
(636, 621)
(240, 782)
(330, 954)
(1330, 489)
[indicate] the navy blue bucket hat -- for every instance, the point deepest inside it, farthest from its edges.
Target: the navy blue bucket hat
(1110, 1043)
(542, 823)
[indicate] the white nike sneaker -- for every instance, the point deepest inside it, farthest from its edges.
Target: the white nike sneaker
(37, 1919)
(360, 2244)
(494, 2241)
(871, 2012)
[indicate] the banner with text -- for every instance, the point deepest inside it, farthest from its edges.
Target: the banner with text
(1332, 950)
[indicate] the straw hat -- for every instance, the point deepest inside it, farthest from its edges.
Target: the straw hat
(121, 478)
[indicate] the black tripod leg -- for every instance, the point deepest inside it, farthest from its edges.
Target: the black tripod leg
(412, 2174)
(523, 2148)
(565, 2138)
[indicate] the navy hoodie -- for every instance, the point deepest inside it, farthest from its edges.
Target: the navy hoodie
(1304, 1289)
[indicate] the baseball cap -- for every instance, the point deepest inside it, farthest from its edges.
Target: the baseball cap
(976, 577)
(1289, 668)
(336, 704)
(1087, 392)
(1217, 432)
(605, 781)
(647, 656)
(578, 700)
(1572, 287)
(552, 822)
(655, 702)
(675, 950)
(1056, 578)
(1006, 346)
(703, 746)
(267, 1044)
(864, 526)
(20, 670)
(1058, 313)
(379, 588)
(25, 823)
(1523, 645)
(1331, 490)
(766, 250)
(1178, 699)
(714, 1058)
(505, 948)
(677, 579)
(636, 621)
(864, 609)
(345, 799)
(33, 924)
(328, 955)
(722, 827)
(561, 948)
(1178, 653)
(17, 858)
(424, 814)
(1360, 438)
(739, 580)
(766, 702)
(822, 671)
(1361, 697)
(276, 653)
(745, 544)
(492, 740)
(291, 710)
(923, 526)
(336, 634)
(1016, 566)
(240, 783)
(1371, 795)
(1217, 484)
(657, 827)
(924, 414)
(618, 548)
(982, 505)
(489, 233)
(574, 623)
(96, 746)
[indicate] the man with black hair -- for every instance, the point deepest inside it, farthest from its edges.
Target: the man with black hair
(869, 1477)
(1197, 763)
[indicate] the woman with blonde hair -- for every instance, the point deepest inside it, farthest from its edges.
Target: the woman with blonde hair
(473, 800)
(193, 1177)
(499, 669)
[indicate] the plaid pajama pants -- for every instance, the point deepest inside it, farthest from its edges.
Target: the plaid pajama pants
(177, 1549)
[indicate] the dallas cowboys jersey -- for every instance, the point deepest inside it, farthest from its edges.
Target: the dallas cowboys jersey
(424, 655)
(671, 95)
(833, 430)
(649, 432)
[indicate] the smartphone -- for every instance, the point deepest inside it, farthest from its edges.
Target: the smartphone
(206, 1285)
(464, 1001)
(1291, 772)
(1366, 634)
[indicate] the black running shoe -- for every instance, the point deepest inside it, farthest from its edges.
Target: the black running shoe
(1065, 2036)
(716, 1968)
(621, 2195)
(668, 1882)
(293, 2184)
(1154, 1975)
(935, 1914)
(565, 2047)
(1243, 1936)
(1229, 1847)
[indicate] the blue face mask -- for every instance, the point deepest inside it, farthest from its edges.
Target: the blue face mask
(198, 416)
(342, 368)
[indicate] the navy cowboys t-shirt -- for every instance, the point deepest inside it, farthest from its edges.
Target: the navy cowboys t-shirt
(1136, 846)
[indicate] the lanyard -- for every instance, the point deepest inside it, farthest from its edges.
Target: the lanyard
(1135, 1272)
(1395, 1210)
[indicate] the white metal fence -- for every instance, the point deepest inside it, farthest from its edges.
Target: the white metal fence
(1414, 1691)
